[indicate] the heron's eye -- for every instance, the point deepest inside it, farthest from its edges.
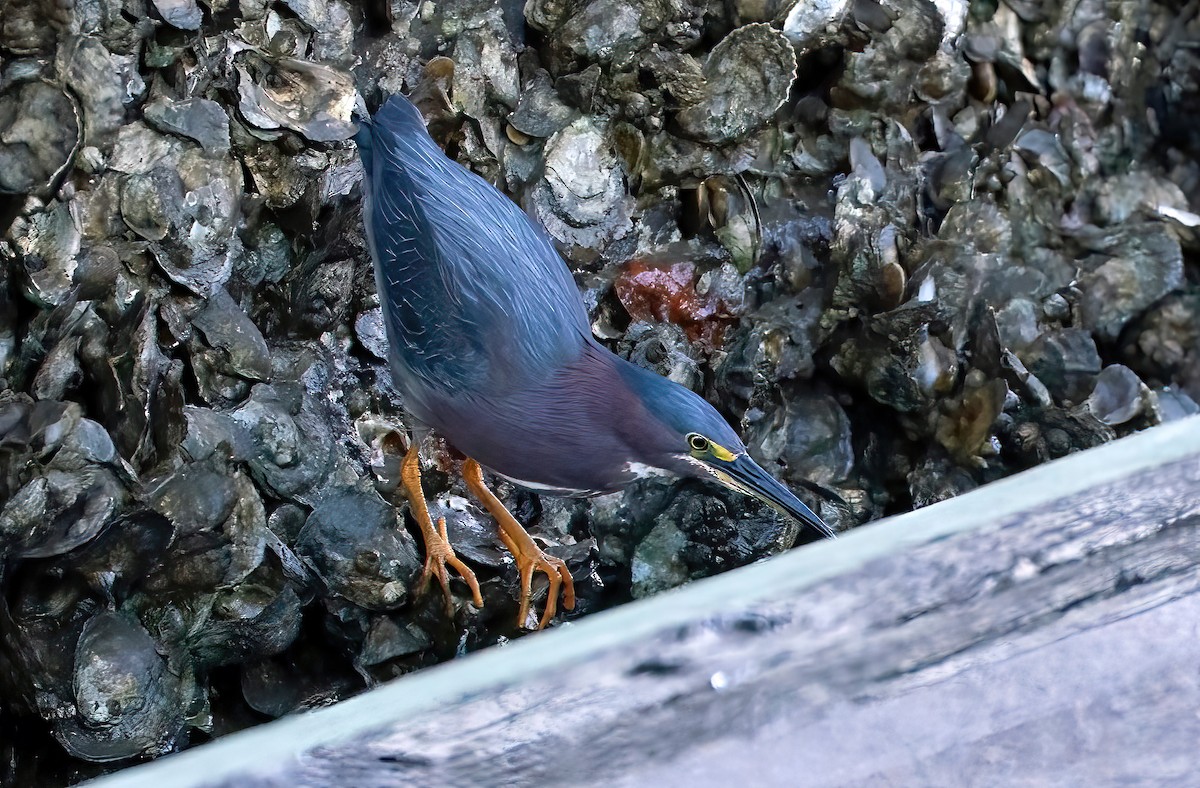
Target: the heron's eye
(697, 442)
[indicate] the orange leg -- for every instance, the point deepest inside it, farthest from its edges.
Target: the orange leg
(528, 555)
(438, 551)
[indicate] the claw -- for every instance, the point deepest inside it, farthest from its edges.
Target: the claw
(529, 556)
(558, 575)
(438, 552)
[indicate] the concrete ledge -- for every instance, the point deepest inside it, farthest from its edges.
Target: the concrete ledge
(1043, 627)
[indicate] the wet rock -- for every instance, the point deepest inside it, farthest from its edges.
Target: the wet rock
(907, 376)
(808, 440)
(387, 640)
(1076, 430)
(1066, 361)
(812, 25)
(332, 26)
(472, 532)
(933, 481)
(670, 159)
(600, 32)
(195, 499)
(692, 539)
(1135, 269)
(268, 256)
(1174, 404)
(246, 531)
(778, 346)
(540, 113)
(40, 128)
(716, 547)
(369, 329)
(284, 181)
(59, 372)
(746, 79)
(1043, 149)
(142, 390)
(1119, 396)
(582, 200)
(485, 65)
(48, 244)
(183, 14)
(658, 563)
(871, 207)
(175, 194)
(75, 494)
(227, 328)
(94, 75)
(28, 27)
(356, 546)
(1122, 198)
(953, 246)
(665, 349)
(197, 119)
(129, 701)
(292, 449)
(1018, 323)
(308, 98)
(122, 555)
(319, 293)
(194, 566)
(284, 684)
(252, 620)
(1165, 343)
(678, 75)
(579, 90)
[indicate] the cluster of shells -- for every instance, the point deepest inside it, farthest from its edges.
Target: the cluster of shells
(909, 247)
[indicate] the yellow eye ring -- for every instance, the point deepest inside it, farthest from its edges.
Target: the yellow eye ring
(697, 442)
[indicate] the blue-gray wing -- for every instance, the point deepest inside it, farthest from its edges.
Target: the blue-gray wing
(475, 297)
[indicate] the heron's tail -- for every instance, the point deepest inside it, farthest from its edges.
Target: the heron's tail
(399, 116)
(396, 125)
(362, 138)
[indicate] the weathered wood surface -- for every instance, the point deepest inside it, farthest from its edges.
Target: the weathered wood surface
(1052, 640)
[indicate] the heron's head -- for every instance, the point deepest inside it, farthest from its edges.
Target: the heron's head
(687, 437)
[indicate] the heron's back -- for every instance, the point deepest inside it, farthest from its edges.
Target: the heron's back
(477, 302)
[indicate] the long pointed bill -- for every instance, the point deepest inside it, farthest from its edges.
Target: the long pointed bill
(746, 476)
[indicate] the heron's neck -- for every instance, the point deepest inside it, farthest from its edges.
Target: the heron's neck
(640, 420)
(617, 398)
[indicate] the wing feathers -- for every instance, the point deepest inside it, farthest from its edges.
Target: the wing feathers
(478, 298)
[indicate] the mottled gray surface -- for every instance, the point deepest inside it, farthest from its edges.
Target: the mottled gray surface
(1100, 703)
(1012, 636)
(1058, 646)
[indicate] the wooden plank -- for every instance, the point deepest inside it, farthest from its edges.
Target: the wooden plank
(1042, 629)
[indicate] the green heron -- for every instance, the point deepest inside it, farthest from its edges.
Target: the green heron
(489, 346)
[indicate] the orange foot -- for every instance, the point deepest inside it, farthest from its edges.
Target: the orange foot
(529, 556)
(438, 552)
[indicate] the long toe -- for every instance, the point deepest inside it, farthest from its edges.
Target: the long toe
(435, 567)
(438, 552)
(556, 573)
(551, 599)
(529, 557)
(438, 555)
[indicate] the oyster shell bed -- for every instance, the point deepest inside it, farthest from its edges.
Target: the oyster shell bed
(909, 247)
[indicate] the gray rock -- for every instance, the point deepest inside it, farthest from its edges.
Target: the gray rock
(197, 119)
(746, 79)
(183, 14)
(355, 544)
